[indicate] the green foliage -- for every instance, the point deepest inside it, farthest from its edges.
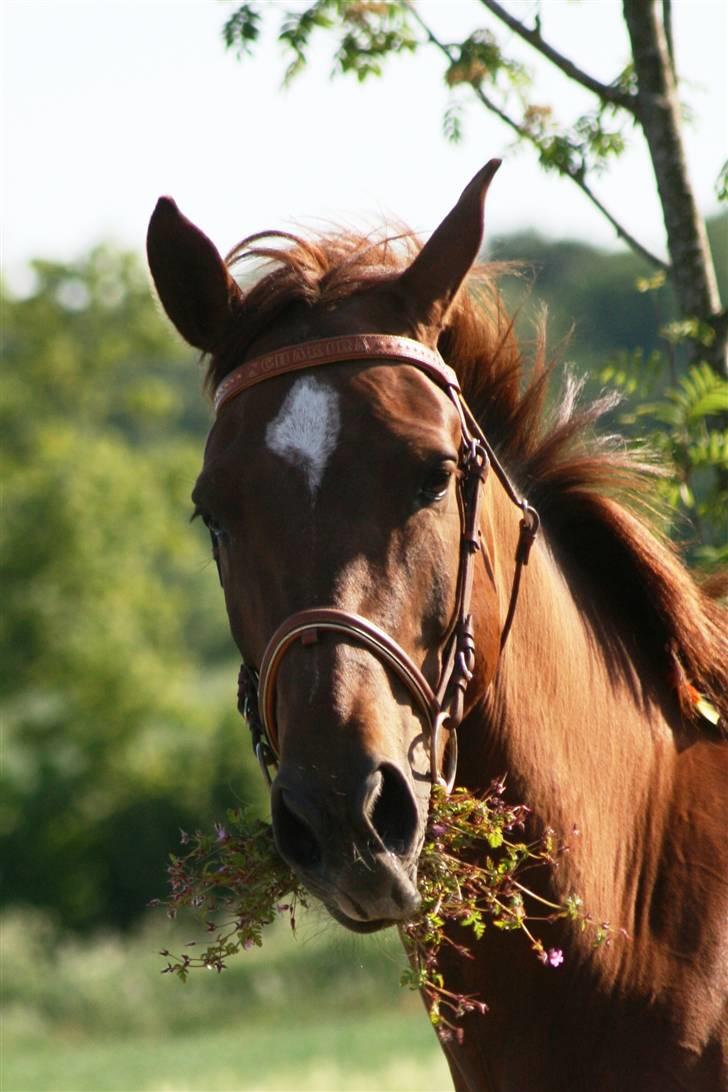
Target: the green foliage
(471, 873)
(682, 417)
(235, 872)
(107, 983)
(479, 59)
(371, 31)
(112, 738)
(626, 336)
(584, 148)
(452, 123)
(92, 1013)
(81, 1012)
(242, 30)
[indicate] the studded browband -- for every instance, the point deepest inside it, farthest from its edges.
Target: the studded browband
(443, 706)
(334, 350)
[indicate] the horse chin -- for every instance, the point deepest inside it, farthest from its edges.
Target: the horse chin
(363, 914)
(360, 908)
(354, 925)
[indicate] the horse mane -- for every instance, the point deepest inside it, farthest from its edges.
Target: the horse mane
(589, 489)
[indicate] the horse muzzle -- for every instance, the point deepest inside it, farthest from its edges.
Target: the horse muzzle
(353, 848)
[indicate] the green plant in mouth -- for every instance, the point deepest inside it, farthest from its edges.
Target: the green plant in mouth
(471, 873)
(236, 883)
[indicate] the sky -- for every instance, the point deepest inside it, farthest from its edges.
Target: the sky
(108, 103)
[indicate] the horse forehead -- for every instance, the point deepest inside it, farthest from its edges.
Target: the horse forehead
(303, 421)
(305, 430)
(404, 402)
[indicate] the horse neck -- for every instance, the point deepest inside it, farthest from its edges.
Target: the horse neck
(583, 742)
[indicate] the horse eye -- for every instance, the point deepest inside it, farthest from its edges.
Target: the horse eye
(216, 531)
(435, 485)
(216, 536)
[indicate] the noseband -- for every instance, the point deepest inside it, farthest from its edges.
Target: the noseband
(443, 706)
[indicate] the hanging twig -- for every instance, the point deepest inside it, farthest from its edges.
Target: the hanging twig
(667, 24)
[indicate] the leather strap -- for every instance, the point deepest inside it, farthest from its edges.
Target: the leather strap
(334, 350)
(305, 626)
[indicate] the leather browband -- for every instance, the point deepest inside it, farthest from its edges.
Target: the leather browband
(333, 350)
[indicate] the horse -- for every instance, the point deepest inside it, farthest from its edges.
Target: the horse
(372, 483)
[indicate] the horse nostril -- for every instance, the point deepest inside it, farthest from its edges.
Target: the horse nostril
(394, 812)
(294, 838)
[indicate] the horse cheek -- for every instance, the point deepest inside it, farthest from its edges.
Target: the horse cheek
(488, 630)
(488, 614)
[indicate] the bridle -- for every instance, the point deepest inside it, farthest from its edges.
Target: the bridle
(442, 707)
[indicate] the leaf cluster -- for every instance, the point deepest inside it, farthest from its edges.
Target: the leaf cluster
(241, 30)
(681, 415)
(471, 875)
(369, 31)
(585, 148)
(234, 874)
(480, 59)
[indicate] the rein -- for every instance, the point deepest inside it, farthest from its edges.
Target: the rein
(443, 706)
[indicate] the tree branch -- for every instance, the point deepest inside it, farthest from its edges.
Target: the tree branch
(524, 134)
(667, 24)
(581, 182)
(606, 92)
(693, 272)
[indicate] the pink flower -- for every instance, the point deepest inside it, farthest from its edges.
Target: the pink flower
(555, 957)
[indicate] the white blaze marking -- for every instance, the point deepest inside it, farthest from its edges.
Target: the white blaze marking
(306, 429)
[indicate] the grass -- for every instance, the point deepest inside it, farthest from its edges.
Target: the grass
(374, 1053)
(324, 1012)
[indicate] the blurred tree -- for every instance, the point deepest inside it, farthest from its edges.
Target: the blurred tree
(117, 728)
(594, 290)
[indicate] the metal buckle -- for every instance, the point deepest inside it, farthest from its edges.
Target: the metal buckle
(446, 780)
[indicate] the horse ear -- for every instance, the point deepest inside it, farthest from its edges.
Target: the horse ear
(193, 283)
(431, 282)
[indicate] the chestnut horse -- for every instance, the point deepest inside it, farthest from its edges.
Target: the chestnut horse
(361, 398)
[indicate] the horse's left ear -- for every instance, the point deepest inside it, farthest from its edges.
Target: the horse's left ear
(192, 280)
(431, 282)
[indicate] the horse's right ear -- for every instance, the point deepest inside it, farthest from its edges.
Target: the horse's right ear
(431, 282)
(193, 283)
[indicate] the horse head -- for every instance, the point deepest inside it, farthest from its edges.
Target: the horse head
(334, 494)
